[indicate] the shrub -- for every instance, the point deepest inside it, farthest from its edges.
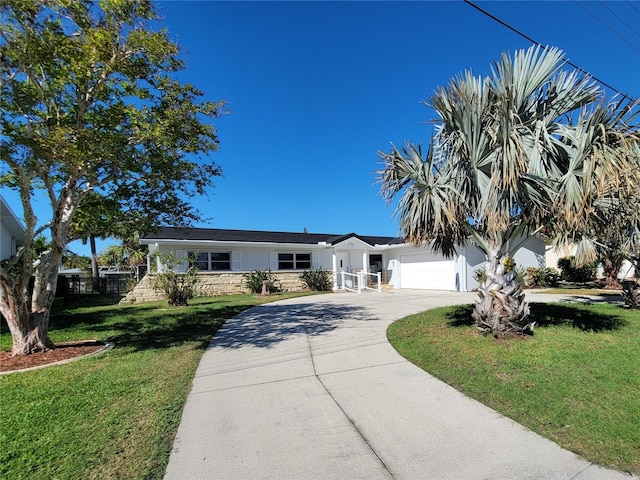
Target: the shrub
(253, 281)
(542, 277)
(573, 273)
(318, 280)
(177, 287)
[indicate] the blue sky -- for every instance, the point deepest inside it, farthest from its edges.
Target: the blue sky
(316, 89)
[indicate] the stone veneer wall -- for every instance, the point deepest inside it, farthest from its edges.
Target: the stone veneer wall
(211, 284)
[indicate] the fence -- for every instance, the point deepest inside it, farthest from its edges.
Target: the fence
(116, 284)
(356, 282)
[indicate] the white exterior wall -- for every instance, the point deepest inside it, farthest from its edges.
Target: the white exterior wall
(531, 254)
(627, 271)
(256, 258)
(7, 243)
(468, 260)
(552, 256)
(12, 232)
(438, 272)
(474, 259)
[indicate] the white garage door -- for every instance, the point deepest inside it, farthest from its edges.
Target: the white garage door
(427, 272)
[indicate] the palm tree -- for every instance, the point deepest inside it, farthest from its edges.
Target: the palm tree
(129, 255)
(529, 147)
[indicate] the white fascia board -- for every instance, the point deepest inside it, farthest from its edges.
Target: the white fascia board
(391, 247)
(216, 243)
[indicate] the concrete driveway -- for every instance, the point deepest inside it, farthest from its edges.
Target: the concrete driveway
(309, 388)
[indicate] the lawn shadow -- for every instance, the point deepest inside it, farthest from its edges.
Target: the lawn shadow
(546, 314)
(460, 316)
(157, 326)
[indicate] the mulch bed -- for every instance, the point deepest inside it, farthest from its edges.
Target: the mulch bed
(63, 351)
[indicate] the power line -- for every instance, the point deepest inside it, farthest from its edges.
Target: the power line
(608, 26)
(633, 6)
(630, 27)
(569, 62)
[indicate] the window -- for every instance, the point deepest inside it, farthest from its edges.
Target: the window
(220, 261)
(294, 261)
(212, 261)
(202, 260)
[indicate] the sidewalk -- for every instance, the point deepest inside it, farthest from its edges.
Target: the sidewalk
(309, 388)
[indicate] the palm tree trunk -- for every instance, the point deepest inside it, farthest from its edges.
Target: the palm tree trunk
(501, 309)
(95, 271)
(611, 266)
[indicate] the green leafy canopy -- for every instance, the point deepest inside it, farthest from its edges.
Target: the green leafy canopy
(91, 103)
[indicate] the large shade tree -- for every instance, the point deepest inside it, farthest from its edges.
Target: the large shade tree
(531, 146)
(91, 105)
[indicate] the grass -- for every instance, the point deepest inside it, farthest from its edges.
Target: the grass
(580, 288)
(598, 292)
(113, 415)
(576, 381)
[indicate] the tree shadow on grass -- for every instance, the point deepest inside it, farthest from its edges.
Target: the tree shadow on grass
(547, 314)
(460, 316)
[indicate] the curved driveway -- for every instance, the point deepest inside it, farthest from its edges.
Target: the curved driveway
(309, 388)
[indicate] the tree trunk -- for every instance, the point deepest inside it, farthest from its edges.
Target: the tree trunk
(95, 271)
(611, 267)
(28, 329)
(631, 293)
(27, 312)
(501, 309)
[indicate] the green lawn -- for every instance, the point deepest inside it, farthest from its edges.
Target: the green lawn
(113, 415)
(576, 381)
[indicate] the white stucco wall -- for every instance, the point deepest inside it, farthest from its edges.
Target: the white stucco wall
(531, 254)
(474, 259)
(245, 259)
(7, 243)
(458, 277)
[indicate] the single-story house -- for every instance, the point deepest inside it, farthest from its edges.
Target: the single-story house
(12, 232)
(552, 255)
(224, 255)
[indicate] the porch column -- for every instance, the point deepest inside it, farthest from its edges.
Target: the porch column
(365, 262)
(335, 269)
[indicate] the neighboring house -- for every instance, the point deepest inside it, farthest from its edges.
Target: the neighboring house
(12, 232)
(223, 255)
(552, 255)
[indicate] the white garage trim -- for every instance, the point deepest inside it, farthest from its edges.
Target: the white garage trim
(427, 271)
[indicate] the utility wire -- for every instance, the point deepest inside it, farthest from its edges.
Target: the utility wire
(569, 62)
(630, 27)
(608, 26)
(633, 6)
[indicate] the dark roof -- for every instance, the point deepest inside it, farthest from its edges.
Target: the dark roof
(253, 236)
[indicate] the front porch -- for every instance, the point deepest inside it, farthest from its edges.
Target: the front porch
(356, 266)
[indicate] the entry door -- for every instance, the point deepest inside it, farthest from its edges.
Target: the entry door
(343, 262)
